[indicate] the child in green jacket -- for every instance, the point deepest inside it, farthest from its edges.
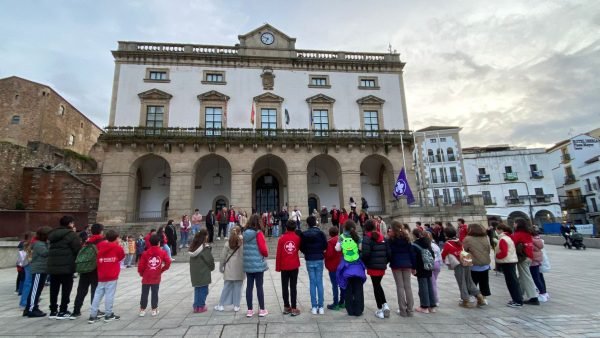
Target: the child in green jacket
(201, 265)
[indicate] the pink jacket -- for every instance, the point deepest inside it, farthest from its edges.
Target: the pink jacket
(538, 256)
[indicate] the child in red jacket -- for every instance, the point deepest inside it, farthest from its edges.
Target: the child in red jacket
(332, 261)
(287, 262)
(109, 257)
(153, 263)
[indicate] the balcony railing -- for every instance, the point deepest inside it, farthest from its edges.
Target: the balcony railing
(536, 174)
(253, 136)
(570, 179)
(146, 216)
(511, 176)
(546, 198)
(489, 201)
(565, 158)
(514, 200)
(573, 203)
(482, 178)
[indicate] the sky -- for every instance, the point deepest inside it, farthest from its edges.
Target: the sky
(524, 73)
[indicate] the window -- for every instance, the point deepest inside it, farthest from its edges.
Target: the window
(436, 194)
(594, 205)
(154, 116)
(443, 175)
(513, 193)
(442, 139)
(446, 193)
(320, 120)
(508, 169)
(539, 191)
(61, 110)
(320, 81)
(268, 120)
(16, 119)
(481, 171)
(457, 195)
(371, 120)
(434, 176)
(213, 120)
(432, 140)
(450, 153)
(487, 198)
(533, 167)
(156, 75)
(440, 155)
(71, 140)
(453, 174)
(598, 182)
(213, 77)
(368, 83)
(430, 155)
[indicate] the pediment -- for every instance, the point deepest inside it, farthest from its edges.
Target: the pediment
(320, 98)
(155, 94)
(370, 99)
(268, 97)
(252, 38)
(213, 95)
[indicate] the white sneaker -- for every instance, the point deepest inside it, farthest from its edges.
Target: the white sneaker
(386, 310)
(542, 298)
(321, 311)
(218, 238)
(313, 310)
(547, 295)
(226, 238)
(155, 312)
(219, 308)
(379, 314)
(142, 313)
(236, 308)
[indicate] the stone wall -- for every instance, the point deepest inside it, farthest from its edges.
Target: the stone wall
(472, 213)
(13, 158)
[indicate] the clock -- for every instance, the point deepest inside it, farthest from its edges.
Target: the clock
(267, 38)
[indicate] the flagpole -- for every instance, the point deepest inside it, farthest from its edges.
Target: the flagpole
(402, 143)
(419, 173)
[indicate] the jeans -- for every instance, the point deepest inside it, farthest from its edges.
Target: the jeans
(232, 293)
(315, 276)
(129, 259)
(57, 282)
(222, 229)
(107, 291)
(211, 233)
(406, 301)
(230, 226)
(482, 280)
(154, 300)
(86, 280)
(167, 250)
(434, 277)
(183, 239)
(289, 278)
(465, 282)
(195, 229)
(538, 278)
(355, 302)
(252, 277)
(335, 287)
(512, 283)
(525, 279)
(20, 279)
(26, 286)
(426, 295)
(39, 279)
(200, 294)
(378, 290)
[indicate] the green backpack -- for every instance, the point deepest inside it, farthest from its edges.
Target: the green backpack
(86, 259)
(349, 249)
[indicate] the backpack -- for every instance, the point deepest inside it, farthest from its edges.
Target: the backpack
(466, 259)
(428, 259)
(86, 259)
(521, 254)
(349, 249)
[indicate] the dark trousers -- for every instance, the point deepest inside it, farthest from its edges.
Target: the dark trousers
(137, 257)
(482, 280)
(60, 283)
(538, 278)
(512, 282)
(146, 288)
(173, 246)
(426, 296)
(258, 278)
(86, 280)
(20, 280)
(211, 233)
(37, 285)
(379, 294)
(222, 228)
(289, 278)
(355, 302)
(339, 294)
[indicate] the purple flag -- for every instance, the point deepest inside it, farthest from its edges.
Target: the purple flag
(402, 188)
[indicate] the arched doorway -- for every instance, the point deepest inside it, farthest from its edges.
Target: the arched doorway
(324, 181)
(151, 189)
(220, 203)
(376, 182)
(543, 216)
(513, 216)
(212, 181)
(267, 193)
(313, 204)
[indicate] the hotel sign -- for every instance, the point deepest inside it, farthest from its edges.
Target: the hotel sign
(580, 144)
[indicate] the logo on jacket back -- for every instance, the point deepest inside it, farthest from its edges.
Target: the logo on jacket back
(154, 263)
(107, 260)
(290, 247)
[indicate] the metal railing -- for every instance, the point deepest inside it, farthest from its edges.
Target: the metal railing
(489, 201)
(513, 200)
(483, 178)
(511, 176)
(570, 179)
(536, 174)
(573, 203)
(146, 216)
(565, 158)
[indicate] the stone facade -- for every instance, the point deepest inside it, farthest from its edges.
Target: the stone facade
(33, 112)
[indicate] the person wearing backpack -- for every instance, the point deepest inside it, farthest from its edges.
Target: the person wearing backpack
(524, 247)
(374, 255)
(86, 266)
(424, 264)
(462, 270)
(351, 271)
(140, 247)
(63, 249)
(231, 265)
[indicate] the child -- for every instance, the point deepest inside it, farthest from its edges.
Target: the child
(402, 263)
(287, 262)
(24, 259)
(21, 257)
(506, 260)
(110, 253)
(437, 266)
(374, 255)
(140, 247)
(424, 258)
(123, 243)
(130, 251)
(39, 261)
(332, 261)
(232, 267)
(351, 271)
(201, 264)
(153, 263)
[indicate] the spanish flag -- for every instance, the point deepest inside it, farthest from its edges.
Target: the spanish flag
(252, 114)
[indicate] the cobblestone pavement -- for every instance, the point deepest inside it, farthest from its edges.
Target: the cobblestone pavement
(573, 310)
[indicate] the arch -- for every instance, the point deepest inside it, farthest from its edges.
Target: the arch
(430, 156)
(149, 189)
(212, 177)
(275, 166)
(439, 157)
(513, 216)
(377, 180)
(450, 154)
(219, 202)
(543, 216)
(324, 179)
(317, 203)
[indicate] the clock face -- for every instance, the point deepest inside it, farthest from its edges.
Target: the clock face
(267, 38)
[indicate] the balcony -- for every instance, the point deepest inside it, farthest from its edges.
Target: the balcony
(482, 178)
(515, 200)
(570, 179)
(573, 203)
(547, 198)
(454, 179)
(536, 174)
(511, 176)
(565, 158)
(451, 158)
(489, 200)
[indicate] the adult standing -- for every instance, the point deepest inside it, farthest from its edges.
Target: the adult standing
(284, 216)
(352, 204)
(210, 225)
(364, 205)
(403, 264)
(171, 234)
(565, 231)
(343, 216)
(313, 245)
(184, 230)
(506, 259)
(477, 244)
(463, 229)
(524, 247)
(63, 249)
(297, 217)
(255, 265)
(335, 216)
(88, 281)
(196, 222)
(242, 218)
(362, 219)
(222, 219)
(374, 255)
(324, 215)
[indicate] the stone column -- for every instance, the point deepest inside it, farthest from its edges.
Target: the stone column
(350, 187)
(241, 190)
(181, 194)
(298, 191)
(117, 198)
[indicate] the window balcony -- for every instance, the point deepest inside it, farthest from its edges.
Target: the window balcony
(482, 178)
(570, 179)
(489, 201)
(536, 174)
(565, 158)
(451, 158)
(454, 178)
(511, 176)
(547, 198)
(515, 200)
(573, 203)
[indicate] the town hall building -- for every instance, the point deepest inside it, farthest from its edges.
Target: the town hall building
(259, 125)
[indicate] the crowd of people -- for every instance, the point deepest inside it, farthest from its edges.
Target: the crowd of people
(470, 251)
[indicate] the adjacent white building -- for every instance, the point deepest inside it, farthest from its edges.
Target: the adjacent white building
(514, 182)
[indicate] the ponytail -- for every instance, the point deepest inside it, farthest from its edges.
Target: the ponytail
(350, 226)
(370, 226)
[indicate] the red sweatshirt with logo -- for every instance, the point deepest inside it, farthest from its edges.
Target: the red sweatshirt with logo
(287, 252)
(332, 257)
(152, 264)
(109, 259)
